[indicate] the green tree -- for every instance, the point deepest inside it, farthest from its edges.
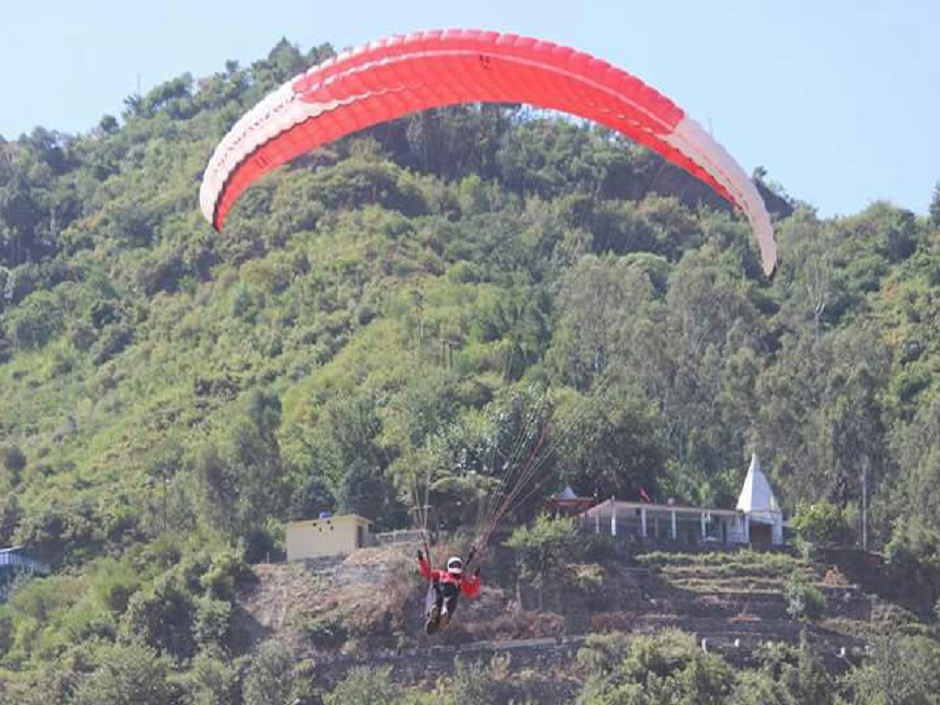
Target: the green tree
(900, 670)
(472, 683)
(270, 679)
(696, 360)
(364, 686)
(254, 452)
(127, 674)
(758, 688)
(815, 292)
(914, 548)
(13, 462)
(21, 219)
(612, 444)
(211, 680)
(242, 480)
(786, 675)
(667, 667)
(822, 414)
(355, 428)
(543, 551)
(161, 616)
(36, 321)
(218, 489)
(212, 622)
(820, 522)
(935, 206)
(599, 303)
(804, 600)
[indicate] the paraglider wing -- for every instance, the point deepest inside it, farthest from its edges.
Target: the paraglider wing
(394, 77)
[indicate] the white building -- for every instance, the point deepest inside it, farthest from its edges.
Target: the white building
(764, 518)
(756, 519)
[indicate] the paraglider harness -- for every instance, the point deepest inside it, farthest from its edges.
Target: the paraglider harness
(442, 596)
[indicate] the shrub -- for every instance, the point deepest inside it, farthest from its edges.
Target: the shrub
(328, 630)
(270, 678)
(6, 630)
(889, 618)
(222, 577)
(211, 681)
(161, 616)
(724, 562)
(597, 548)
(804, 601)
(757, 688)
(662, 668)
(899, 669)
(35, 321)
(128, 673)
(13, 461)
(602, 653)
(821, 522)
(364, 686)
(471, 684)
(798, 672)
(111, 342)
(543, 550)
(587, 577)
(212, 621)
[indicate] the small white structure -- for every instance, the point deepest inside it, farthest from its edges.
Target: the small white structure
(756, 519)
(761, 516)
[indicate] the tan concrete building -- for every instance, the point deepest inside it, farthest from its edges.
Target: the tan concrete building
(328, 536)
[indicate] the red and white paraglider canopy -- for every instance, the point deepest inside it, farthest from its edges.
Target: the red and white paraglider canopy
(394, 77)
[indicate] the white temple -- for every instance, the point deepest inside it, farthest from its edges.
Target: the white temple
(760, 509)
(757, 518)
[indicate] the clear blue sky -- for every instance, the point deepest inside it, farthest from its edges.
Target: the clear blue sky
(838, 99)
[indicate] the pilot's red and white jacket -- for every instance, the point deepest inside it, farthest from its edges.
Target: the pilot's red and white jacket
(469, 586)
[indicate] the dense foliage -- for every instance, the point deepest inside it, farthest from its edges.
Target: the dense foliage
(380, 309)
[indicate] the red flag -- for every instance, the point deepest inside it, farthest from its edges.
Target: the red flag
(644, 495)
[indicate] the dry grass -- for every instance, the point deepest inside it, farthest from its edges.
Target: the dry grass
(608, 622)
(519, 625)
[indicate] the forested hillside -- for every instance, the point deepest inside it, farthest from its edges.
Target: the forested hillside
(386, 306)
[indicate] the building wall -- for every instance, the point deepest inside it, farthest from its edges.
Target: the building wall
(334, 536)
(16, 564)
(625, 519)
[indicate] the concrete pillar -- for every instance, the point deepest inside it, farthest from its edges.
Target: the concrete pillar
(672, 529)
(704, 533)
(643, 522)
(613, 517)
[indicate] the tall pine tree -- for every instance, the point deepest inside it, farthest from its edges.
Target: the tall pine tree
(935, 206)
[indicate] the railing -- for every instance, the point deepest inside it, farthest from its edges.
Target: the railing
(16, 560)
(402, 536)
